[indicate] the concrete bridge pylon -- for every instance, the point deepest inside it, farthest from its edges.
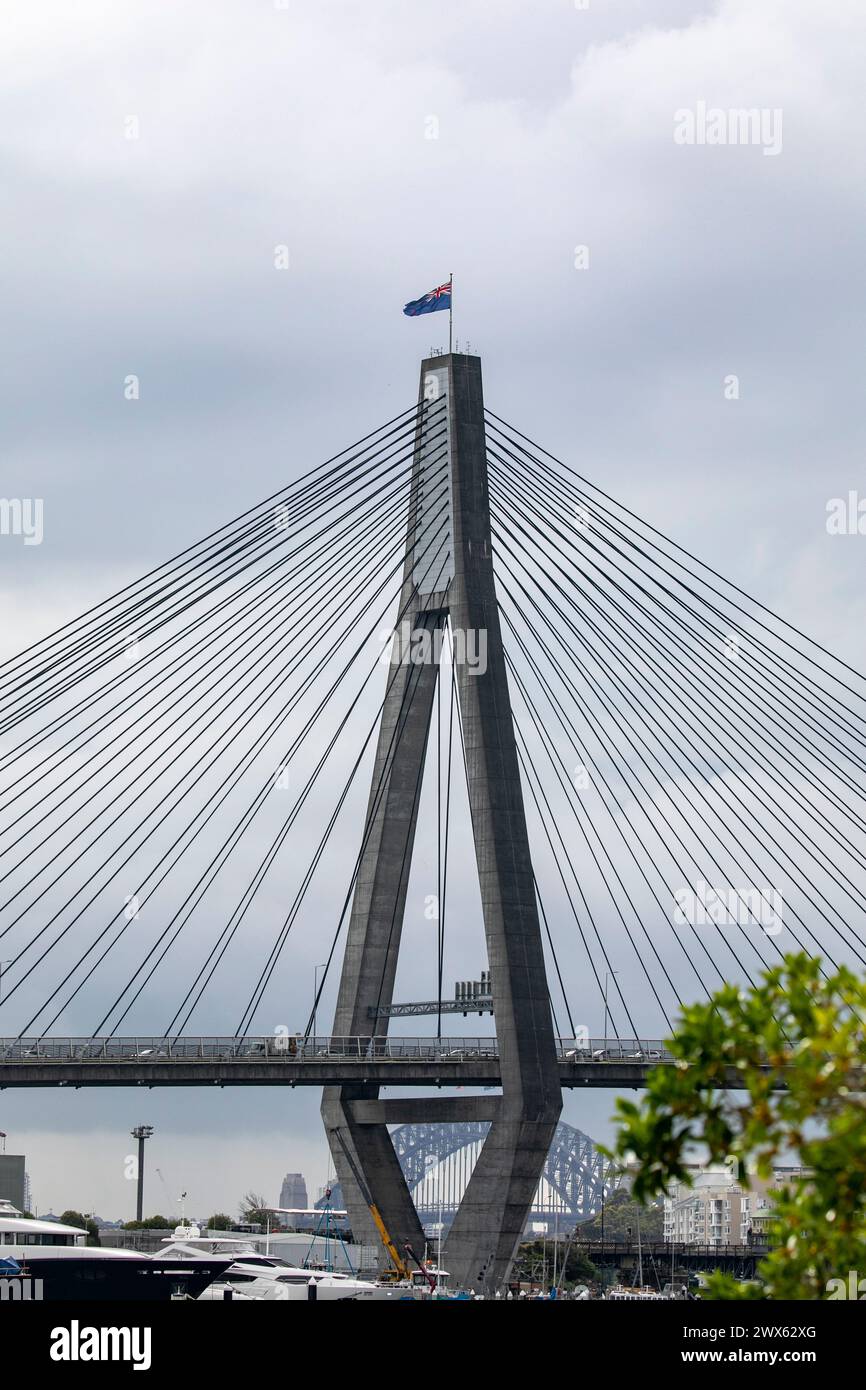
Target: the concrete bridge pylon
(452, 582)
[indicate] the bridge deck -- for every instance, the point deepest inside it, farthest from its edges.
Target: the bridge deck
(293, 1061)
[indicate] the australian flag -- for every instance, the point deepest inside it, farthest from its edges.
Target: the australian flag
(440, 298)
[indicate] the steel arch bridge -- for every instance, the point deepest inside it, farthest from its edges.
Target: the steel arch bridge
(437, 1161)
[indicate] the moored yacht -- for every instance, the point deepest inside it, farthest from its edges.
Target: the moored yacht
(252, 1275)
(46, 1260)
(257, 1276)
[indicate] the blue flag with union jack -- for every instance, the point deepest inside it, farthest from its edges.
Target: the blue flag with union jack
(440, 298)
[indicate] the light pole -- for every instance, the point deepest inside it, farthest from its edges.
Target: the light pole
(632, 1168)
(141, 1132)
(439, 1231)
(316, 970)
(607, 975)
(639, 1255)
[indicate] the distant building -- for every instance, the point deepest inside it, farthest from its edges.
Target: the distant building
(293, 1192)
(13, 1180)
(28, 1193)
(764, 1202)
(717, 1209)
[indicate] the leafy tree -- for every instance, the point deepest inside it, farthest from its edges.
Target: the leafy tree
(75, 1218)
(150, 1223)
(535, 1257)
(219, 1222)
(621, 1216)
(804, 1032)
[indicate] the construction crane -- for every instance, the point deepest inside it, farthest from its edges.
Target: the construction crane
(400, 1268)
(423, 1268)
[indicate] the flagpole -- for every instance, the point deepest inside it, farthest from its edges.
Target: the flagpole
(450, 309)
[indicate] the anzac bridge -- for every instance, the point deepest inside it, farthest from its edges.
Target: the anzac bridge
(217, 775)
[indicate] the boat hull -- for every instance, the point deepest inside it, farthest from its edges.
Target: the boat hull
(53, 1279)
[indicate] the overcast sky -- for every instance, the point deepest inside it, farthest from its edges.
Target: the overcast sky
(308, 125)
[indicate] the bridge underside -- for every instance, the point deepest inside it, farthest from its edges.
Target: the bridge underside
(363, 1077)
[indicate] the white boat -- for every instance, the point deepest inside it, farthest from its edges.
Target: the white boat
(46, 1260)
(258, 1276)
(622, 1294)
(253, 1275)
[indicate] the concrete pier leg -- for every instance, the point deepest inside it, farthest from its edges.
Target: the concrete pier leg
(373, 944)
(483, 1239)
(491, 1219)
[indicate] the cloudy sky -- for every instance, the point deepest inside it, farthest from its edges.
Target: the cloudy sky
(154, 155)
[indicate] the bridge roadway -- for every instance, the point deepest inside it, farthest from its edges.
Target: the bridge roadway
(661, 1259)
(285, 1060)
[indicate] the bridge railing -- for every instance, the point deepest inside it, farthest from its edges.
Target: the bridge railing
(614, 1050)
(294, 1048)
(280, 1047)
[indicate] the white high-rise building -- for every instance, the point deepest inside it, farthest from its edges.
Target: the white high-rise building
(717, 1209)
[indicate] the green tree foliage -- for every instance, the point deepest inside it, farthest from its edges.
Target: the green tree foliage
(150, 1223)
(535, 1262)
(799, 1028)
(86, 1223)
(621, 1214)
(220, 1222)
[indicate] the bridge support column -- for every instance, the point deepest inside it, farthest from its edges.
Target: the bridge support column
(483, 1239)
(490, 1222)
(372, 947)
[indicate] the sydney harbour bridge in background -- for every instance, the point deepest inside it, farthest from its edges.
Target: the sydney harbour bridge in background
(437, 1161)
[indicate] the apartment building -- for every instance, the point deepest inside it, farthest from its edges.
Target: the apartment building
(716, 1209)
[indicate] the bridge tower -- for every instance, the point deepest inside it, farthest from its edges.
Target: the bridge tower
(455, 581)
